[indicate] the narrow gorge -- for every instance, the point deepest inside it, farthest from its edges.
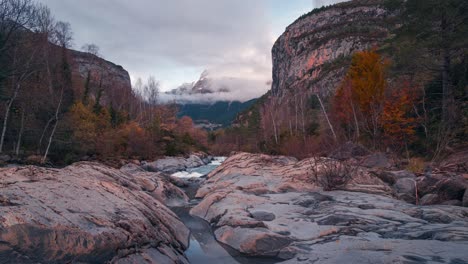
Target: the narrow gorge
(357, 153)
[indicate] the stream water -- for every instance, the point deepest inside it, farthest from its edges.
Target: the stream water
(204, 248)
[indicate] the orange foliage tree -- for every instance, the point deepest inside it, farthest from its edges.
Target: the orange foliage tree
(397, 123)
(364, 105)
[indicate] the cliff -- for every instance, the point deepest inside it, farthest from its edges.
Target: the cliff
(314, 52)
(113, 80)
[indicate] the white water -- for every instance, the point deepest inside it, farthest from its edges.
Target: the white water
(204, 248)
(200, 171)
(186, 174)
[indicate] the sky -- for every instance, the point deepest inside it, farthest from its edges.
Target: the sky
(176, 40)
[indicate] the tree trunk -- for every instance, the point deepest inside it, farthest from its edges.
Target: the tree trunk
(274, 126)
(326, 116)
(20, 134)
(358, 133)
(54, 129)
(43, 135)
(7, 114)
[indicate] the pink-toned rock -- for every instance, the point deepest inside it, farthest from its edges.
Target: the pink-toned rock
(86, 212)
(257, 241)
(291, 217)
(157, 185)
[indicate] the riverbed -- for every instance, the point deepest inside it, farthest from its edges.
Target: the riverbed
(204, 248)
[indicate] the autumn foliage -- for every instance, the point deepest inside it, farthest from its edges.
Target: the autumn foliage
(144, 138)
(368, 110)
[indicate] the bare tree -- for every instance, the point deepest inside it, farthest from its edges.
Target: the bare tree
(326, 117)
(15, 16)
(17, 84)
(91, 49)
(151, 91)
(57, 111)
(20, 134)
(63, 35)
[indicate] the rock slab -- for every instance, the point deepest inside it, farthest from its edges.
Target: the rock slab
(86, 213)
(269, 207)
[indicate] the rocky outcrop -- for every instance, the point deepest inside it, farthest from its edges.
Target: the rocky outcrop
(161, 187)
(88, 213)
(272, 207)
(313, 53)
(111, 78)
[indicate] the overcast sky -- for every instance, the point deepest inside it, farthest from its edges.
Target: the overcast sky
(175, 40)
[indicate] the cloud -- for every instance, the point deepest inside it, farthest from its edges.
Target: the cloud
(175, 40)
(238, 89)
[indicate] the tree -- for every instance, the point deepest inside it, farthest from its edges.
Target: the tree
(151, 91)
(363, 92)
(444, 35)
(91, 49)
(344, 110)
(62, 35)
(326, 117)
(16, 53)
(397, 122)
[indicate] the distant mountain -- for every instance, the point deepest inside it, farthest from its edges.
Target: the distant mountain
(215, 115)
(209, 89)
(204, 85)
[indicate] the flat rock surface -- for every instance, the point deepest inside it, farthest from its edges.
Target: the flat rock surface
(266, 206)
(87, 213)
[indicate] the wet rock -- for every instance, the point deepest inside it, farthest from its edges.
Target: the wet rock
(430, 199)
(337, 220)
(391, 177)
(86, 213)
(254, 242)
(366, 206)
(448, 187)
(263, 216)
(405, 189)
(452, 188)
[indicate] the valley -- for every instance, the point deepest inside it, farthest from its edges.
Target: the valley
(335, 136)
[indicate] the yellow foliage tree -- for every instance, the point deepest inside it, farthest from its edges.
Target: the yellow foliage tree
(89, 129)
(362, 93)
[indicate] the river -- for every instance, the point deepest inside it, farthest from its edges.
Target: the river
(204, 248)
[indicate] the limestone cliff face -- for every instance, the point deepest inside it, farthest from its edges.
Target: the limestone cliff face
(112, 79)
(314, 52)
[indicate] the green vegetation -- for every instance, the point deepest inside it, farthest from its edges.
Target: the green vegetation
(222, 113)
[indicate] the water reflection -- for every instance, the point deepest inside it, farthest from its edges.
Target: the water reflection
(204, 249)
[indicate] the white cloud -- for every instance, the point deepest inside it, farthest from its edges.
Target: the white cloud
(175, 40)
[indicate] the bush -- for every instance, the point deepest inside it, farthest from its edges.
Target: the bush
(332, 174)
(416, 165)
